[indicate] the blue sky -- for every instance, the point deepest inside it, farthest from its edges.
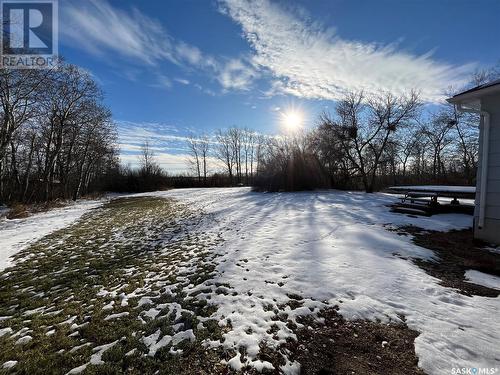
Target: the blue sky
(171, 68)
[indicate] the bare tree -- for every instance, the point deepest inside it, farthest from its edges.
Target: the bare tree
(94, 143)
(147, 160)
(438, 135)
(67, 98)
(204, 149)
(224, 151)
(236, 144)
(194, 153)
(199, 148)
(363, 128)
(20, 91)
(406, 148)
(56, 137)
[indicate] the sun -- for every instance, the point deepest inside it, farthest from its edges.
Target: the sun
(292, 120)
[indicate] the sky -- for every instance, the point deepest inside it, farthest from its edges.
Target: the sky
(169, 69)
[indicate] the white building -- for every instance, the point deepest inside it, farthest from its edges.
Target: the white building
(485, 100)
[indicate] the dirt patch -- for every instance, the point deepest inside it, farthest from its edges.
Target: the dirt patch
(458, 251)
(362, 347)
(335, 346)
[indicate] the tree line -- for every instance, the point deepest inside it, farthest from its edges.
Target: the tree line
(372, 142)
(57, 138)
(367, 142)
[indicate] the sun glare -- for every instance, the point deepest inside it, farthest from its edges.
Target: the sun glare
(292, 120)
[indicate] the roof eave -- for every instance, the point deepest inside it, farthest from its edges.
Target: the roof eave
(472, 96)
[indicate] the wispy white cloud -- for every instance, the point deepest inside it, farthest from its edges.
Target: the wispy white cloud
(309, 60)
(98, 27)
(161, 82)
(205, 90)
(139, 132)
(182, 81)
(103, 29)
(172, 163)
(107, 31)
(236, 74)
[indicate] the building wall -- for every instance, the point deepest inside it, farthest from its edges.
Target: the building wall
(491, 230)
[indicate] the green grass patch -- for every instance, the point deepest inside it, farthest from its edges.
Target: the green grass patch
(64, 288)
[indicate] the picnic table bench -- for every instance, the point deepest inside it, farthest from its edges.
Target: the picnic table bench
(423, 200)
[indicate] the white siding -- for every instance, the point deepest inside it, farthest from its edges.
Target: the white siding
(495, 157)
(493, 198)
(491, 230)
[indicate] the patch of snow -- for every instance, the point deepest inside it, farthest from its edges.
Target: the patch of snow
(5, 331)
(16, 234)
(484, 279)
(145, 301)
(235, 363)
(262, 365)
(24, 340)
(130, 352)
(75, 348)
(123, 299)
(154, 342)
(175, 351)
(70, 320)
(78, 326)
(95, 359)
(117, 316)
(151, 313)
(22, 332)
(34, 311)
(77, 370)
(183, 335)
(290, 368)
(109, 306)
(9, 364)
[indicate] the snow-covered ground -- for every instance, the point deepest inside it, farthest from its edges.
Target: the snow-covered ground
(16, 234)
(331, 248)
(480, 278)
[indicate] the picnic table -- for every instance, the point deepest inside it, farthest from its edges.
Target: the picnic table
(423, 199)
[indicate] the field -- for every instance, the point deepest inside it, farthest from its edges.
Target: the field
(207, 281)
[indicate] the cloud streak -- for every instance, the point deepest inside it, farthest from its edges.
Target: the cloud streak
(107, 31)
(168, 143)
(97, 27)
(172, 163)
(309, 60)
